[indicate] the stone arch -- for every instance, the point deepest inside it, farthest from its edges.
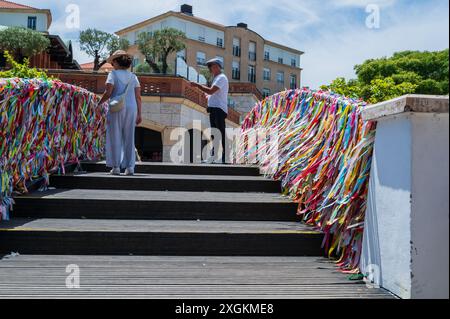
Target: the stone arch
(149, 143)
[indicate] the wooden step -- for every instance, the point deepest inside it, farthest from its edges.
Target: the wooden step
(154, 182)
(44, 276)
(120, 204)
(161, 237)
(176, 169)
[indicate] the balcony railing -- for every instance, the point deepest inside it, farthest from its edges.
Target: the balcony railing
(239, 87)
(151, 85)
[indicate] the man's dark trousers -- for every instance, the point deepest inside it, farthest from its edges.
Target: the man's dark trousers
(217, 118)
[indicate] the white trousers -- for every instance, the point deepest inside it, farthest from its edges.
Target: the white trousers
(120, 146)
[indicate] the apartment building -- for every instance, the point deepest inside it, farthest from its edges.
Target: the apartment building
(247, 56)
(15, 14)
(58, 56)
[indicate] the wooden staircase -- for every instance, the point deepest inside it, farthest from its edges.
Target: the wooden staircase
(170, 231)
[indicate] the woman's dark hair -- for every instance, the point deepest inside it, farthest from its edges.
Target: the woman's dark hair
(124, 61)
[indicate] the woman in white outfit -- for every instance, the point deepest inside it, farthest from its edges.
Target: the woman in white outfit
(120, 127)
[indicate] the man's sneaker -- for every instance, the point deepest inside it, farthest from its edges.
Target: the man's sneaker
(115, 171)
(129, 172)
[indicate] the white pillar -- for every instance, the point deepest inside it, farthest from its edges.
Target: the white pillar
(406, 238)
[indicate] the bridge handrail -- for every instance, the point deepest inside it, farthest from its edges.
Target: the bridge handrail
(44, 126)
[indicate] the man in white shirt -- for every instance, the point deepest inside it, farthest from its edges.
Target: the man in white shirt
(217, 100)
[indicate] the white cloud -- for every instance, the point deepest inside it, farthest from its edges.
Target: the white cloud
(363, 3)
(334, 55)
(332, 33)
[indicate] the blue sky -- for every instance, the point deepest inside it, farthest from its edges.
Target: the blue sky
(333, 33)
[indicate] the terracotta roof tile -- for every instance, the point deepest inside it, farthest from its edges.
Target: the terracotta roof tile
(12, 5)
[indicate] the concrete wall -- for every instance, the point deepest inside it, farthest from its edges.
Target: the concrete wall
(430, 206)
(388, 218)
(406, 237)
(242, 103)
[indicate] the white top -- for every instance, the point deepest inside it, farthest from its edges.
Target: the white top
(220, 98)
(120, 79)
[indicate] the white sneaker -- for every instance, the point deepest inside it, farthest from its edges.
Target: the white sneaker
(115, 171)
(129, 172)
(208, 161)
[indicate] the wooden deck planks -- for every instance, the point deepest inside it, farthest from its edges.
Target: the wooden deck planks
(156, 226)
(179, 277)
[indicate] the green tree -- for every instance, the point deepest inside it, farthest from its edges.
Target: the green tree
(22, 43)
(158, 46)
(143, 68)
(404, 73)
(21, 70)
(100, 45)
(208, 76)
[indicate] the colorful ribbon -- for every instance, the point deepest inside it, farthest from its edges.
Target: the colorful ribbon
(45, 125)
(324, 155)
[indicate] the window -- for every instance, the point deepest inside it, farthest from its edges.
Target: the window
(293, 81)
(182, 54)
(267, 55)
(252, 51)
(236, 47)
(266, 93)
(201, 58)
(281, 60)
(266, 74)
(32, 22)
(220, 58)
(280, 77)
(236, 71)
(220, 42)
(202, 34)
(182, 26)
(251, 74)
(294, 62)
